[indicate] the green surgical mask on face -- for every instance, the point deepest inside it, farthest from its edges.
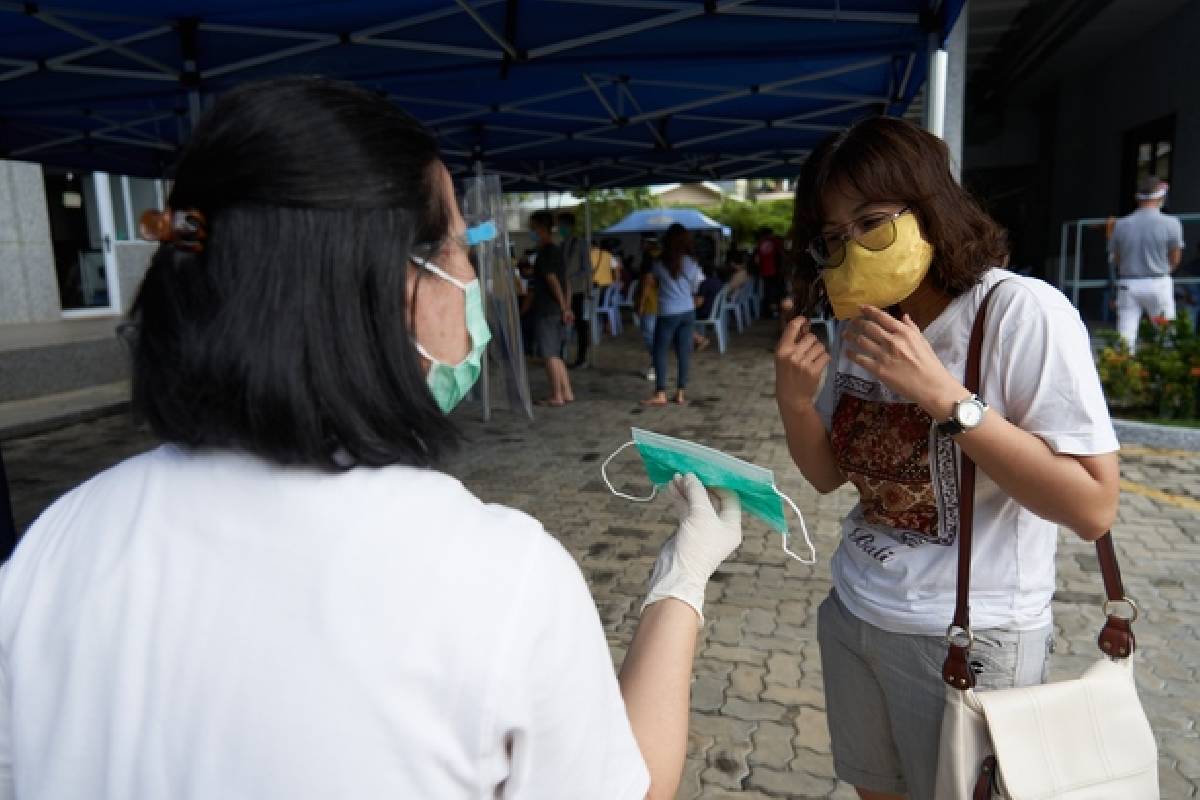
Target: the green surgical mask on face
(449, 383)
(665, 457)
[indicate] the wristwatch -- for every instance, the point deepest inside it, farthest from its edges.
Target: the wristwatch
(967, 415)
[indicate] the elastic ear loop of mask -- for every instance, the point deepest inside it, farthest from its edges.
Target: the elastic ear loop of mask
(654, 491)
(803, 529)
(611, 488)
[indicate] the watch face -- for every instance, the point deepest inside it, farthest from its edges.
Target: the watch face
(969, 414)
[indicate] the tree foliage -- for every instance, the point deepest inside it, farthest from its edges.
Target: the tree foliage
(746, 218)
(610, 206)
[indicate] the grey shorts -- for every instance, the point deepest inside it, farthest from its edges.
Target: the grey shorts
(551, 336)
(884, 694)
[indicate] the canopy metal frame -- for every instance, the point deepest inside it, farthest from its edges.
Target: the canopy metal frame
(628, 113)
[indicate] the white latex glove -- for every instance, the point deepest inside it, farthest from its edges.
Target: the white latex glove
(705, 538)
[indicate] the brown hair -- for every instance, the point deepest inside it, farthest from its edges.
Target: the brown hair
(889, 159)
(676, 245)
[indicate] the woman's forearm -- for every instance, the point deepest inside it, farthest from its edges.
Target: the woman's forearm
(808, 444)
(656, 680)
(1077, 492)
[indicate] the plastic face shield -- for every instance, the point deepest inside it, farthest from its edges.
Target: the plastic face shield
(665, 457)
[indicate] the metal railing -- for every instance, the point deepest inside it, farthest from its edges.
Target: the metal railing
(1078, 271)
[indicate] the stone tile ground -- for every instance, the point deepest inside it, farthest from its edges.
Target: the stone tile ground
(758, 721)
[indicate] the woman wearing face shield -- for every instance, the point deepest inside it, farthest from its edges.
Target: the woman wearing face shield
(287, 599)
(905, 257)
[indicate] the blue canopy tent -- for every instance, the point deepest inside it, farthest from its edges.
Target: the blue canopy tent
(657, 220)
(545, 93)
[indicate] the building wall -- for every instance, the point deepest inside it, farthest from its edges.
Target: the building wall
(28, 284)
(1149, 78)
(689, 195)
(1058, 157)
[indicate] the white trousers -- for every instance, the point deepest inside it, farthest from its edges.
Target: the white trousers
(1155, 296)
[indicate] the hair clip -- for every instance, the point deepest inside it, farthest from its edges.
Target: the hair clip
(186, 229)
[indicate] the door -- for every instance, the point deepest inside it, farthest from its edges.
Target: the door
(1147, 150)
(79, 207)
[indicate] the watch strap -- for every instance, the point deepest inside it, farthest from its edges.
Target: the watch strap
(951, 427)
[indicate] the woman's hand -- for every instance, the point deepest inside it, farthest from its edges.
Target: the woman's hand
(707, 535)
(800, 361)
(897, 353)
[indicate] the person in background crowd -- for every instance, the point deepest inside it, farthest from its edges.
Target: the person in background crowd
(646, 301)
(706, 295)
(524, 277)
(1145, 248)
(552, 313)
(579, 281)
(288, 600)
(768, 264)
(739, 271)
(676, 278)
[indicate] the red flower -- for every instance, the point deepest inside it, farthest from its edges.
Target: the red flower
(1161, 320)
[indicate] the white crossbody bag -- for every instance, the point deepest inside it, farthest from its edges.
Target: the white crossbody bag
(1081, 739)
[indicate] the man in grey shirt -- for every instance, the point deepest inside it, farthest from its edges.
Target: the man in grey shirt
(1145, 248)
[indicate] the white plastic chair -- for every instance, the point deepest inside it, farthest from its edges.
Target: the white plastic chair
(754, 298)
(610, 307)
(733, 305)
(627, 296)
(716, 319)
(746, 304)
(627, 301)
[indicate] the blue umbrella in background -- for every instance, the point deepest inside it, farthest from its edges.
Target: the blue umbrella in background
(657, 220)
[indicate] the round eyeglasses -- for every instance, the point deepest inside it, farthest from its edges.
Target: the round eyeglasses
(875, 232)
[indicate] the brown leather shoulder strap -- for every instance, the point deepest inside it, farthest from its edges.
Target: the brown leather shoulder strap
(956, 671)
(1116, 638)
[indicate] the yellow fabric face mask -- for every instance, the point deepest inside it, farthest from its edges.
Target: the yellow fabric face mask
(879, 278)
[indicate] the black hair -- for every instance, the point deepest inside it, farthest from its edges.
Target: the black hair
(289, 336)
(566, 218)
(542, 219)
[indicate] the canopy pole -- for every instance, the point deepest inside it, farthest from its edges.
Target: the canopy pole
(935, 89)
(485, 280)
(191, 71)
(590, 298)
(956, 87)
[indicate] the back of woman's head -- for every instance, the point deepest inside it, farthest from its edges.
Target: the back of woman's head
(676, 244)
(288, 335)
(885, 159)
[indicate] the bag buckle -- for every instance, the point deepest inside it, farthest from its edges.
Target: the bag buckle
(1111, 605)
(958, 636)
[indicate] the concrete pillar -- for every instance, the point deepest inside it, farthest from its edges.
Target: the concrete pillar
(956, 90)
(28, 282)
(935, 89)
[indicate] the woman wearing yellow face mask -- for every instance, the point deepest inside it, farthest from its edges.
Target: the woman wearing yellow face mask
(887, 238)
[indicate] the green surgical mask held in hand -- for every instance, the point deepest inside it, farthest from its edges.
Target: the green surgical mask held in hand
(665, 457)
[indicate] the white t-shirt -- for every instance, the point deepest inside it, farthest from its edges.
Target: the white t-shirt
(208, 626)
(895, 566)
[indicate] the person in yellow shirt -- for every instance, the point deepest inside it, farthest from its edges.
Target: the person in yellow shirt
(646, 301)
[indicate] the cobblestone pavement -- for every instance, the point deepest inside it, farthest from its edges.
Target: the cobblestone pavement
(758, 721)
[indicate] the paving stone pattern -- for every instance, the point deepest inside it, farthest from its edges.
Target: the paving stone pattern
(758, 726)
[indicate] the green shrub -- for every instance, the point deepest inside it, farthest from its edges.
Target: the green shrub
(1162, 377)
